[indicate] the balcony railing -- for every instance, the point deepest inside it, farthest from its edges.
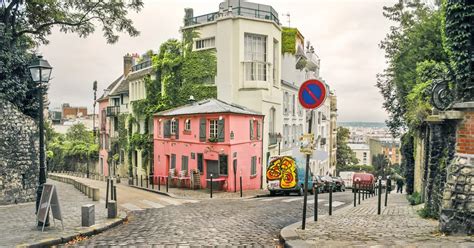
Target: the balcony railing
(272, 139)
(142, 65)
(113, 111)
(239, 11)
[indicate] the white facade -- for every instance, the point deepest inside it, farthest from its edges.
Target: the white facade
(362, 152)
(248, 62)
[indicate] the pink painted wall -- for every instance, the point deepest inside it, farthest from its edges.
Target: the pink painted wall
(104, 136)
(188, 142)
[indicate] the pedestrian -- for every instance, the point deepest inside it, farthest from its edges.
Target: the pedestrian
(400, 185)
(389, 184)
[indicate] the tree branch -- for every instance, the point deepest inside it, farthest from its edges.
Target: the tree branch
(9, 9)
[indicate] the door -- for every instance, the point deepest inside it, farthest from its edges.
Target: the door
(212, 168)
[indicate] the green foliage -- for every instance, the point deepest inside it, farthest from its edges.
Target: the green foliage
(414, 199)
(288, 40)
(344, 156)
(381, 164)
(415, 39)
(407, 151)
(25, 24)
(428, 213)
(356, 168)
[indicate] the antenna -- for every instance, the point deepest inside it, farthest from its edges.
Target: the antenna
(288, 15)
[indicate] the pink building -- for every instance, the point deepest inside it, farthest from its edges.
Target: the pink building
(103, 168)
(213, 137)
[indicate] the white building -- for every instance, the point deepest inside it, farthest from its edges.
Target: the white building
(247, 40)
(362, 152)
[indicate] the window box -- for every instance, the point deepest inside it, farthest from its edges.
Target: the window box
(213, 139)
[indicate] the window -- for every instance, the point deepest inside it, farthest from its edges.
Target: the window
(253, 167)
(173, 161)
(271, 121)
(285, 103)
(206, 43)
(293, 134)
(173, 126)
(213, 129)
(293, 105)
(184, 163)
(255, 57)
(223, 168)
(275, 61)
(187, 125)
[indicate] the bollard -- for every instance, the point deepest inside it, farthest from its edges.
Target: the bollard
(112, 209)
(355, 197)
(240, 186)
(211, 185)
(386, 196)
(107, 195)
(167, 184)
(315, 203)
(89, 192)
(363, 193)
(141, 181)
(88, 215)
(379, 202)
(147, 179)
(159, 183)
(152, 182)
(358, 192)
(330, 200)
(95, 194)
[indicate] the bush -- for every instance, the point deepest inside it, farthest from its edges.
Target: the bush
(414, 198)
(427, 213)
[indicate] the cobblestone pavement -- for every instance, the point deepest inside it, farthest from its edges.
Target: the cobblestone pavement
(18, 222)
(399, 225)
(130, 199)
(254, 221)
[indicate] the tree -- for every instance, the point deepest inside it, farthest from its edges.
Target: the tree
(25, 24)
(344, 155)
(381, 165)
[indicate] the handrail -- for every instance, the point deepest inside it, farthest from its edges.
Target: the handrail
(240, 11)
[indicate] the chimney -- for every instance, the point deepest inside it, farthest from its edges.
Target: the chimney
(127, 64)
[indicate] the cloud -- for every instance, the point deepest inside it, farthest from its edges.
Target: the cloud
(345, 35)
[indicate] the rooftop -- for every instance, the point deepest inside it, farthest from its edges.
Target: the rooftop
(208, 106)
(358, 146)
(236, 8)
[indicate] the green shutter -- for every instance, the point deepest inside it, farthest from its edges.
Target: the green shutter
(166, 131)
(258, 130)
(176, 135)
(202, 130)
(251, 129)
(220, 130)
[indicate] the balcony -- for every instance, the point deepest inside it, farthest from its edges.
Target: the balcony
(113, 111)
(142, 65)
(272, 139)
(236, 8)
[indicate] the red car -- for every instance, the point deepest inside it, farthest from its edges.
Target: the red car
(364, 181)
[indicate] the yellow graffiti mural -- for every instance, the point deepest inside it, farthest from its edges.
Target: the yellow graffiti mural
(283, 169)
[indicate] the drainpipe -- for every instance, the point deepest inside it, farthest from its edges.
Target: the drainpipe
(261, 176)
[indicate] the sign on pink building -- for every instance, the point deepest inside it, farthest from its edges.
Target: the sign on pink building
(209, 138)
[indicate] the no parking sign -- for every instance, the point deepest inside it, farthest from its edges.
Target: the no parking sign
(312, 94)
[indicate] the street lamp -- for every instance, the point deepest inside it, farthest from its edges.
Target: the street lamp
(278, 138)
(40, 73)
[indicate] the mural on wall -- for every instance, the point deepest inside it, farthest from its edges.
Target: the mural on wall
(281, 173)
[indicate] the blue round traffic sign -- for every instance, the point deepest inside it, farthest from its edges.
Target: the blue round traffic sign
(312, 94)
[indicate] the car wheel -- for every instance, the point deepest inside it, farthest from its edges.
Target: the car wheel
(272, 192)
(343, 188)
(286, 193)
(312, 191)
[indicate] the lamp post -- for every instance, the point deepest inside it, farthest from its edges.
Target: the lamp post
(278, 138)
(40, 73)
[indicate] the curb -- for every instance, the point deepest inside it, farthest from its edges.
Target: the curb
(185, 198)
(94, 230)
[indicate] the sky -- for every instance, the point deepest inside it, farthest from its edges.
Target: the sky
(344, 33)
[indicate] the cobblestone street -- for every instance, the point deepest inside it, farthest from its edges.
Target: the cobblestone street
(255, 221)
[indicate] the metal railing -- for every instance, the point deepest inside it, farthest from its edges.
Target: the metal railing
(239, 11)
(142, 65)
(113, 111)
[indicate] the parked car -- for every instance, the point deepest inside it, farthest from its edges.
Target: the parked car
(286, 175)
(364, 181)
(328, 183)
(318, 183)
(339, 184)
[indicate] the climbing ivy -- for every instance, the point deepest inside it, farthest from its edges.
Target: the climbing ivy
(288, 40)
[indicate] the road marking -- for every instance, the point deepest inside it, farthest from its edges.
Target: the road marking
(153, 204)
(335, 204)
(250, 199)
(192, 201)
(131, 207)
(169, 200)
(292, 199)
(312, 201)
(268, 199)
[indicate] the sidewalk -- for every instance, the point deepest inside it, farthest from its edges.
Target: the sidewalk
(398, 225)
(18, 222)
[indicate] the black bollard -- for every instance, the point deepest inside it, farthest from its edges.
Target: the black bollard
(115, 193)
(159, 183)
(147, 179)
(379, 203)
(363, 193)
(330, 200)
(355, 197)
(107, 194)
(358, 192)
(152, 183)
(315, 204)
(240, 186)
(211, 185)
(141, 181)
(167, 185)
(386, 196)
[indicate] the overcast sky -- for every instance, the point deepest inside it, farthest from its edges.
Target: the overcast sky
(345, 35)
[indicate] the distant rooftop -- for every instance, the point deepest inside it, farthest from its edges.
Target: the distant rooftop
(237, 8)
(208, 106)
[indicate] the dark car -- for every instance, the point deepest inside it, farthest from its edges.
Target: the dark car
(339, 184)
(318, 183)
(328, 183)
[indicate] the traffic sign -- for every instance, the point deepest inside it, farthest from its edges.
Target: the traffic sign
(312, 94)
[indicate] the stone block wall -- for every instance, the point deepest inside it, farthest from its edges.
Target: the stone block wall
(19, 157)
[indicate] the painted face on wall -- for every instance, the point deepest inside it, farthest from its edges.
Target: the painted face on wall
(282, 169)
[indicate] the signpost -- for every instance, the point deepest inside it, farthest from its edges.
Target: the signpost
(311, 95)
(49, 200)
